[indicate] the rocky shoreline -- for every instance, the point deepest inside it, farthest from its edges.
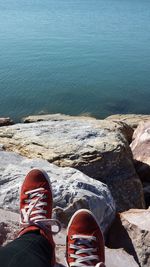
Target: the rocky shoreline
(106, 166)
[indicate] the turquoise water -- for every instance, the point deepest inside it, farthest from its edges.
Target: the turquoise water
(74, 57)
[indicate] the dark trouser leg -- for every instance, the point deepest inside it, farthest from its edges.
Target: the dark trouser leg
(31, 249)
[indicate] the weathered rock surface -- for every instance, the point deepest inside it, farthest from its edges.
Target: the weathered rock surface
(2, 147)
(141, 150)
(132, 120)
(119, 258)
(125, 129)
(140, 147)
(133, 234)
(9, 225)
(97, 148)
(55, 117)
(6, 121)
(72, 189)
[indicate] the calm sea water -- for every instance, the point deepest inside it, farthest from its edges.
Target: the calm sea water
(74, 57)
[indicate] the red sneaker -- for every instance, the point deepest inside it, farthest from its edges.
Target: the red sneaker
(85, 243)
(36, 206)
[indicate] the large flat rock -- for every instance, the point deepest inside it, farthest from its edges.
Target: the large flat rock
(97, 148)
(126, 129)
(72, 190)
(56, 117)
(133, 234)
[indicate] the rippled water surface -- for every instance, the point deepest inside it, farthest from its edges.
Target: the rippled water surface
(74, 57)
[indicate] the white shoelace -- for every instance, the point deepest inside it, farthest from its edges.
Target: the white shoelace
(82, 261)
(38, 215)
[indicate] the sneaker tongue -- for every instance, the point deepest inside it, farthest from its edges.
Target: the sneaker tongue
(83, 242)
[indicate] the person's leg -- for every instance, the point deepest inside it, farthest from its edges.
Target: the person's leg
(30, 249)
(84, 243)
(35, 245)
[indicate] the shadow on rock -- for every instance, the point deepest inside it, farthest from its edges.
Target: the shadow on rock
(143, 170)
(121, 239)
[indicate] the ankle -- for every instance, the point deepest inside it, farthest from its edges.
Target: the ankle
(28, 229)
(33, 228)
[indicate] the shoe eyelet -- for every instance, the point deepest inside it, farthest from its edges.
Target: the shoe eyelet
(71, 237)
